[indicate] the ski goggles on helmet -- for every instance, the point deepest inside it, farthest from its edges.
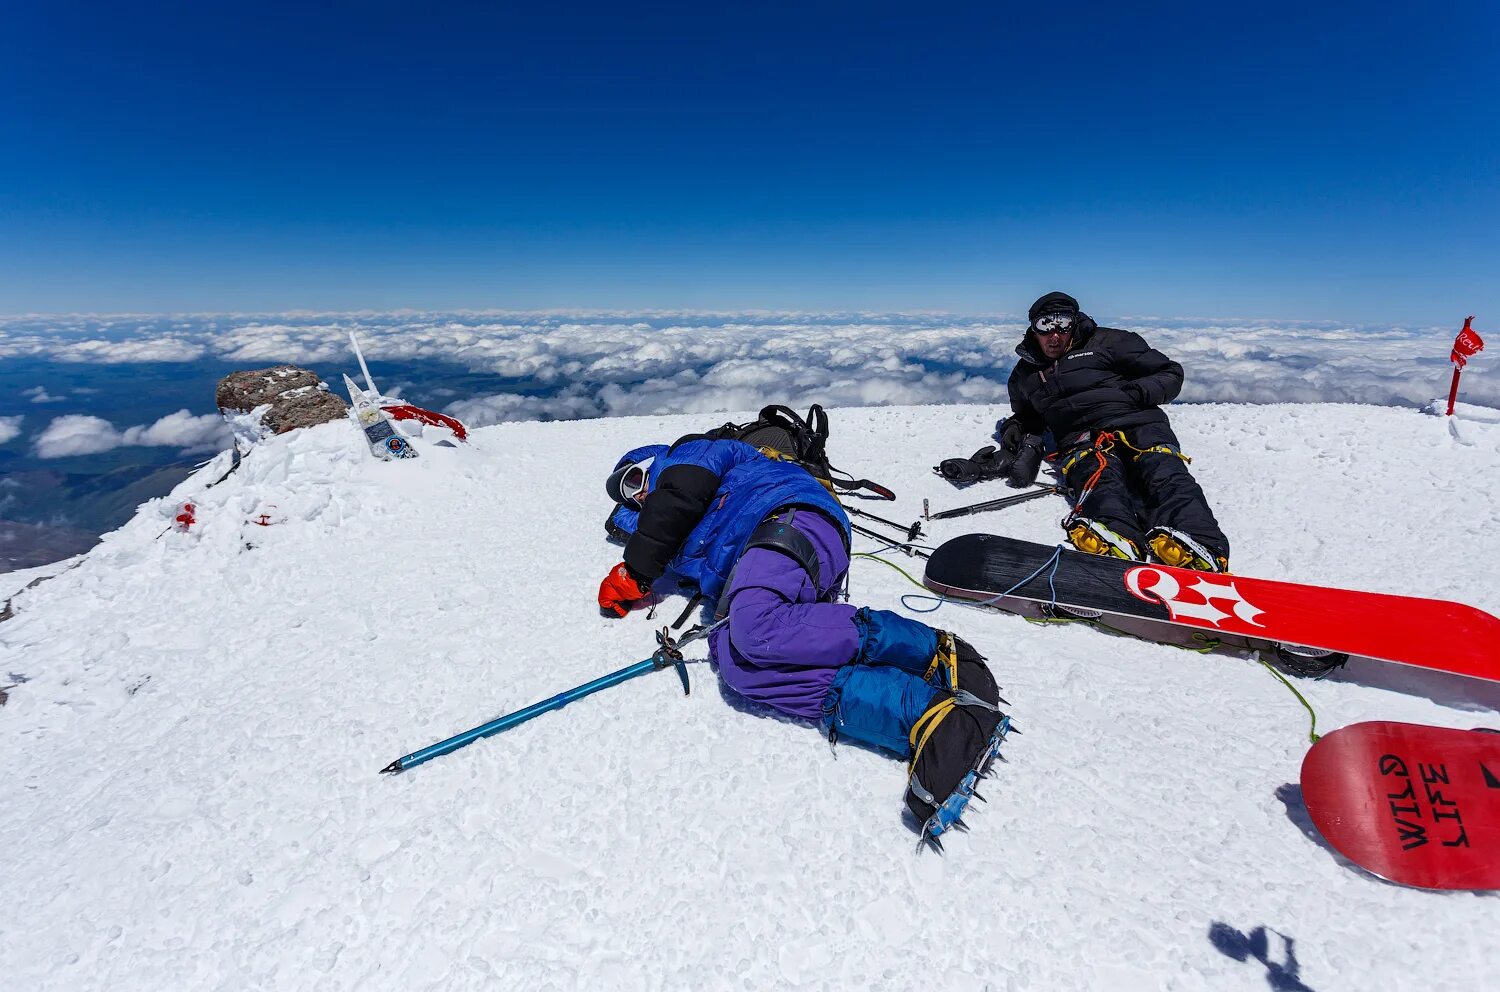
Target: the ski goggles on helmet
(1053, 323)
(627, 484)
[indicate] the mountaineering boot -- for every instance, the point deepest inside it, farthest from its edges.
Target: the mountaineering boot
(955, 739)
(1173, 547)
(957, 668)
(927, 695)
(1093, 538)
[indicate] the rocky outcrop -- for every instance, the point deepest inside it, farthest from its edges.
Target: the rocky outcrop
(296, 397)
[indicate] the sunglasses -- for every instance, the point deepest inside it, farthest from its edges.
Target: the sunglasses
(1053, 323)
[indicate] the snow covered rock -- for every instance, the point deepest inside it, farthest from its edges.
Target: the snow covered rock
(296, 397)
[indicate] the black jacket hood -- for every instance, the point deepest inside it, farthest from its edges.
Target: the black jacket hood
(1052, 303)
(1083, 329)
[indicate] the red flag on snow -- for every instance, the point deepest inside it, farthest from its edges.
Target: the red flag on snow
(1467, 344)
(405, 411)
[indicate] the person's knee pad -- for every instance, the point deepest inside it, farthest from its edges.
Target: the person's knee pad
(888, 638)
(876, 705)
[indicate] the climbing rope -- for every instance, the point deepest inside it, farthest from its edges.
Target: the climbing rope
(1312, 730)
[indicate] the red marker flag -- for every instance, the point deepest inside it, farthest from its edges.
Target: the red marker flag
(405, 411)
(1467, 344)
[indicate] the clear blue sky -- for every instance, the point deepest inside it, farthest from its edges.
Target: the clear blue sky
(1312, 160)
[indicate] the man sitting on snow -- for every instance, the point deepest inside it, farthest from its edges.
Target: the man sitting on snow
(1100, 391)
(770, 544)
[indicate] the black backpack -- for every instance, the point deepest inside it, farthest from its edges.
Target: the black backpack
(781, 434)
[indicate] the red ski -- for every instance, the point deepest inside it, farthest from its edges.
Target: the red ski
(1233, 610)
(1414, 804)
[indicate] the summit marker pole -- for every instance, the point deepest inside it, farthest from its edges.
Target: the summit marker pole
(362, 366)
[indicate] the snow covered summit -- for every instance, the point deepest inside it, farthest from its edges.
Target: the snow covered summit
(189, 796)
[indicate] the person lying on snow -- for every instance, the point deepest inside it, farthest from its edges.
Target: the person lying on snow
(769, 545)
(1100, 391)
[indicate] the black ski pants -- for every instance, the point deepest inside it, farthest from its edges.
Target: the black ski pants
(1142, 486)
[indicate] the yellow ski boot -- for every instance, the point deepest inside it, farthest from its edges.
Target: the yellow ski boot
(1172, 547)
(1093, 538)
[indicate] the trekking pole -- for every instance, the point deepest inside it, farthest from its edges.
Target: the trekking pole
(668, 655)
(995, 504)
(890, 542)
(912, 533)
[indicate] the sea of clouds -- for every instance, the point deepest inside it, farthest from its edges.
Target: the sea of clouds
(576, 364)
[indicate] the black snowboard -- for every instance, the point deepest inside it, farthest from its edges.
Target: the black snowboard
(1047, 582)
(1208, 610)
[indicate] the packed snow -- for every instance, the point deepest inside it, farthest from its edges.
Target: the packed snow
(190, 796)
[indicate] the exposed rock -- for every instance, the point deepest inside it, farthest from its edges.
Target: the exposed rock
(296, 397)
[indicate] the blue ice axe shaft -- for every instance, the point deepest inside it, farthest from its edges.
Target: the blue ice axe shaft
(666, 656)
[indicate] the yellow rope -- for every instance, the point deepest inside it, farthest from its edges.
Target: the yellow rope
(1312, 731)
(887, 561)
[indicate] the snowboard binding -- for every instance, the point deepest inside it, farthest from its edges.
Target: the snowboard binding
(1309, 663)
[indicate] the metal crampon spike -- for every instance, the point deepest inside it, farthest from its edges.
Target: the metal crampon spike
(959, 824)
(976, 795)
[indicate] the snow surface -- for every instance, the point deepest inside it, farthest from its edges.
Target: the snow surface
(189, 796)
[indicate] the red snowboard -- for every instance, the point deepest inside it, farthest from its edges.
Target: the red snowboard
(1415, 804)
(1231, 609)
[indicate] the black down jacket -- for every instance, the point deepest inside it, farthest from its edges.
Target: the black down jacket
(1108, 380)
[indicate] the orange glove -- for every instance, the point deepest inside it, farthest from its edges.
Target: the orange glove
(618, 589)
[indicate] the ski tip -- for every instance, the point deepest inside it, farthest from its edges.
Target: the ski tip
(391, 768)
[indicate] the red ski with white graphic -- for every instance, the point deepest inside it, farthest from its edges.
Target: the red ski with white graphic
(1202, 609)
(1414, 804)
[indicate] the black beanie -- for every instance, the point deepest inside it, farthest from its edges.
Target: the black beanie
(1052, 303)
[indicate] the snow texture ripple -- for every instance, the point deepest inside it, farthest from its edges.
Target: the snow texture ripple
(189, 796)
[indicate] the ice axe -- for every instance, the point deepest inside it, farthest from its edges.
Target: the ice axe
(668, 655)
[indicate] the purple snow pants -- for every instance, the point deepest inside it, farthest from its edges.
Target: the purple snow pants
(785, 640)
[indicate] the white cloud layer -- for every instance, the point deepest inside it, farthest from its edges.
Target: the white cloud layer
(39, 394)
(566, 365)
(10, 428)
(79, 434)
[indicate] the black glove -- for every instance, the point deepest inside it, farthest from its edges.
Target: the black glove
(1028, 462)
(986, 463)
(1010, 434)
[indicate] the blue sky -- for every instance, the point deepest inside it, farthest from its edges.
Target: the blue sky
(1321, 161)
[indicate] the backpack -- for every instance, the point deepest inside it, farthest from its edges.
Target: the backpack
(781, 434)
